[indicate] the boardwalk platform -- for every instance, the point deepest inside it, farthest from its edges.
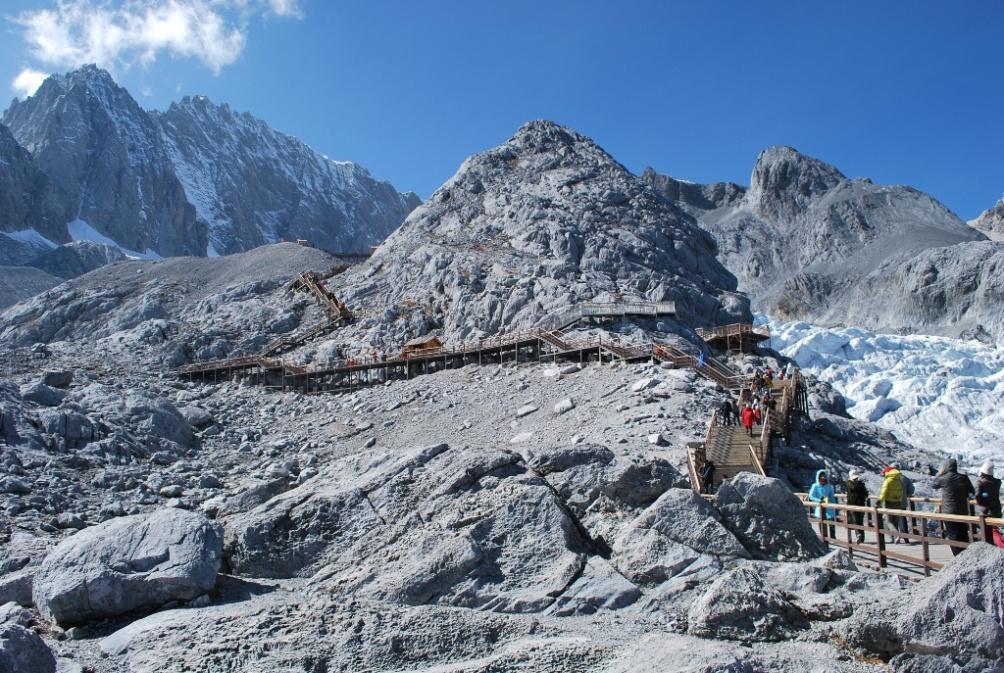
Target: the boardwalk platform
(741, 337)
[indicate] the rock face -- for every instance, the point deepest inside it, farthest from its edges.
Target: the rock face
(94, 141)
(544, 221)
(767, 518)
(670, 535)
(954, 290)
(950, 622)
(21, 651)
(33, 210)
(991, 221)
(738, 606)
(126, 564)
(85, 162)
(77, 258)
(252, 185)
(804, 240)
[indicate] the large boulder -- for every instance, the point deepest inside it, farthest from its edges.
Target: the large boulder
(22, 651)
(951, 621)
(768, 518)
(959, 608)
(670, 534)
(738, 606)
(41, 394)
(126, 564)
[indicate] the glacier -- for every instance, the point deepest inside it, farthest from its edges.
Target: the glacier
(933, 392)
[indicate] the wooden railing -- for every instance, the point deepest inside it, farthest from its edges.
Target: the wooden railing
(756, 461)
(735, 329)
(878, 550)
(609, 310)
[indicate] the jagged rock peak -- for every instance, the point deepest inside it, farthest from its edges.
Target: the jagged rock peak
(783, 179)
(991, 221)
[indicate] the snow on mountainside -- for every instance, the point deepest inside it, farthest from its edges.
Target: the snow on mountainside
(934, 392)
(252, 185)
(804, 237)
(198, 179)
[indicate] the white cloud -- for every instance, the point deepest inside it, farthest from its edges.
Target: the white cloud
(27, 82)
(123, 33)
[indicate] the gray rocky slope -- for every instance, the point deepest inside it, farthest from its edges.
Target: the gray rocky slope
(808, 243)
(496, 518)
(400, 528)
(196, 179)
(544, 221)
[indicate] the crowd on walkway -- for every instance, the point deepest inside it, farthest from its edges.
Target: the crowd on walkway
(956, 492)
(759, 401)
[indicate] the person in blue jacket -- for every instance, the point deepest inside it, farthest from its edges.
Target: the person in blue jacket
(822, 491)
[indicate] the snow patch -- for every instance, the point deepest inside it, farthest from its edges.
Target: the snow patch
(31, 237)
(81, 231)
(934, 392)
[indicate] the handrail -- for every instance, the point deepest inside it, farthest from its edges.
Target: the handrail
(695, 477)
(756, 462)
(733, 329)
(871, 522)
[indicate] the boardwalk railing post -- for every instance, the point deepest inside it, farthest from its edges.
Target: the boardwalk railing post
(880, 536)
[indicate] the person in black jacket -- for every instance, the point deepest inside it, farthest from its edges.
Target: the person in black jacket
(955, 491)
(708, 477)
(988, 497)
(857, 495)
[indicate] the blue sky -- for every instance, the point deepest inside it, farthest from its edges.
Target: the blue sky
(901, 92)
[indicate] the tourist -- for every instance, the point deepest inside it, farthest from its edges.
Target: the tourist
(955, 491)
(725, 413)
(708, 477)
(891, 497)
(988, 501)
(758, 415)
(822, 491)
(748, 416)
(908, 490)
(857, 495)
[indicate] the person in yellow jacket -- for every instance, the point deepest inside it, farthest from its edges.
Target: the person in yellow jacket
(891, 497)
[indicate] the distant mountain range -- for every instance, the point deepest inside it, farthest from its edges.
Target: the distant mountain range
(808, 243)
(81, 160)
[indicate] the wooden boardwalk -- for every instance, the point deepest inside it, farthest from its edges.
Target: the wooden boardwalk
(551, 343)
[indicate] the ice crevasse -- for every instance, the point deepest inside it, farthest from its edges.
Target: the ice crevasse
(934, 392)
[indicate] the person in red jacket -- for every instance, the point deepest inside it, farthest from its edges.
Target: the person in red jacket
(748, 416)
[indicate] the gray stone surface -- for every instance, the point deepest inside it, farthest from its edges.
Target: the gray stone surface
(738, 606)
(126, 564)
(671, 534)
(22, 651)
(41, 394)
(767, 518)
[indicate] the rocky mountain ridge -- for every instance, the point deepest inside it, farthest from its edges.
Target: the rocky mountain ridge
(195, 180)
(808, 243)
(991, 221)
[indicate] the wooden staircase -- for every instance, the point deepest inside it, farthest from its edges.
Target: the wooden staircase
(733, 450)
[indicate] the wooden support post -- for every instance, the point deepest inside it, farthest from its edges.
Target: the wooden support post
(880, 536)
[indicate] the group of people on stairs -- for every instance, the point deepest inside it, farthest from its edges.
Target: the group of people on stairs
(896, 491)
